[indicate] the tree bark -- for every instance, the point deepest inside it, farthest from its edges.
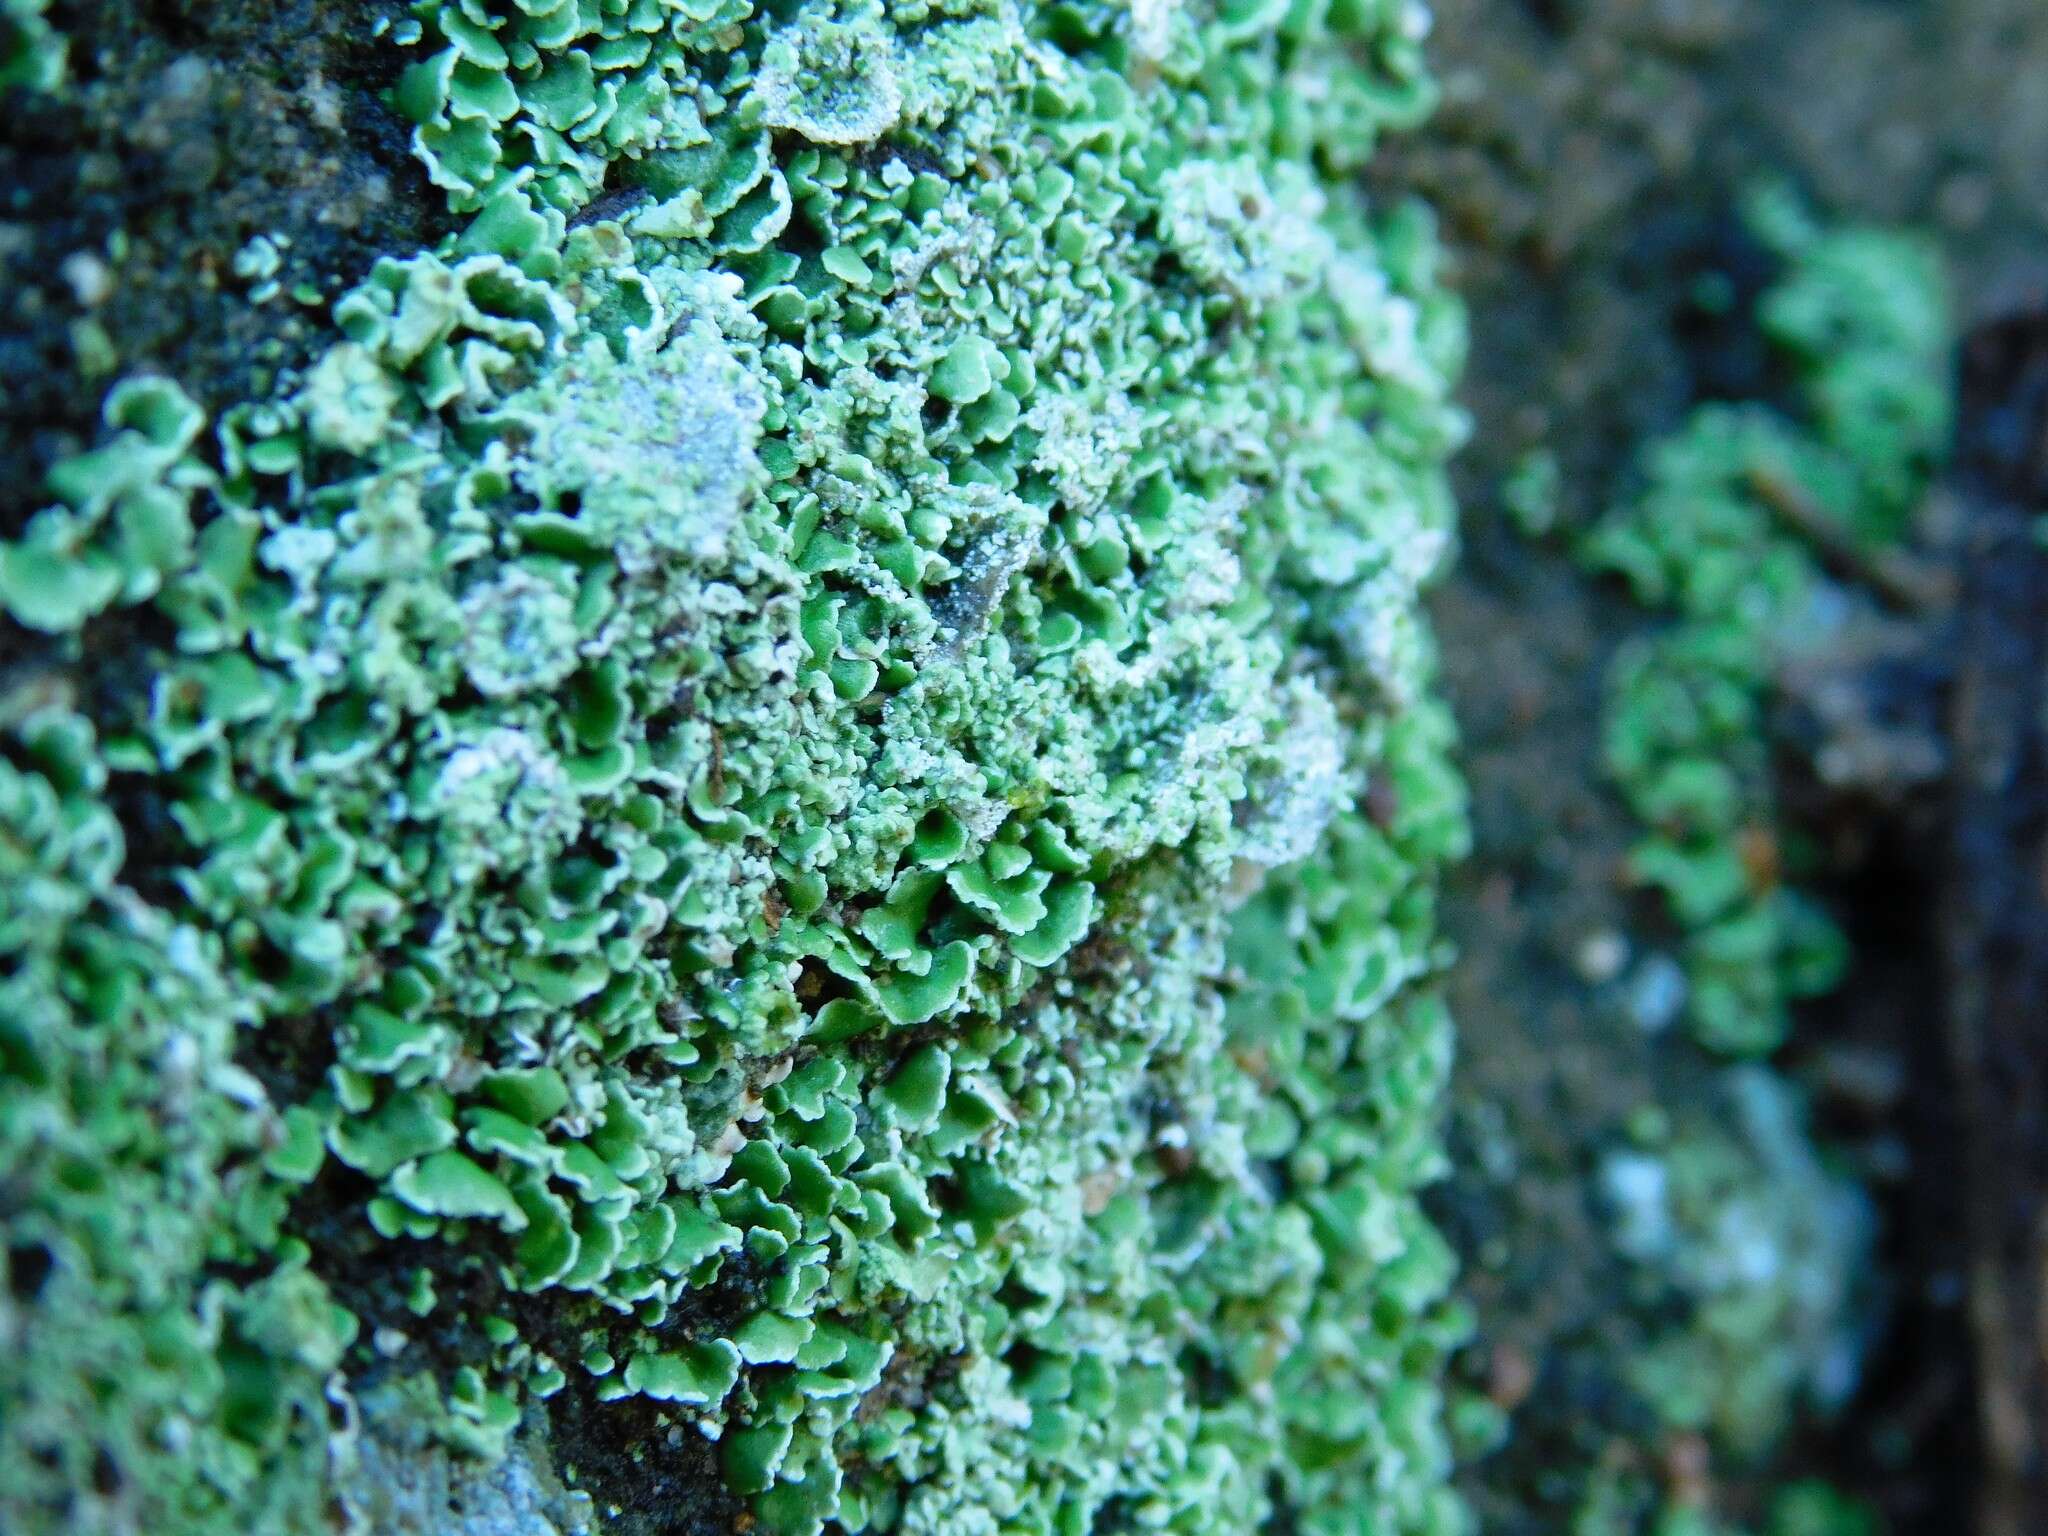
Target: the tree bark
(1995, 905)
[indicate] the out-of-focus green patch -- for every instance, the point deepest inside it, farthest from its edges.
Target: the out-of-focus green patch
(1530, 491)
(32, 52)
(793, 787)
(1736, 1223)
(1747, 1250)
(1861, 318)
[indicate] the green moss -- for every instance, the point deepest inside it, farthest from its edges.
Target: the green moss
(703, 774)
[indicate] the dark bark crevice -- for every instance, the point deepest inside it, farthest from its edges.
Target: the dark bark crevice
(1994, 905)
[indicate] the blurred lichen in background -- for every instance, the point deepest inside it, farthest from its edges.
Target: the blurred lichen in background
(1759, 533)
(1728, 535)
(758, 852)
(31, 50)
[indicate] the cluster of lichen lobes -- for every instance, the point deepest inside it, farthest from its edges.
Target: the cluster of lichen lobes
(711, 779)
(1749, 1249)
(1860, 317)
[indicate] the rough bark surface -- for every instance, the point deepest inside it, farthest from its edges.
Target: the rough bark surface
(1995, 906)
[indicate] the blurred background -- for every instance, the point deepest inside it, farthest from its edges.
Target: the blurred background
(1745, 645)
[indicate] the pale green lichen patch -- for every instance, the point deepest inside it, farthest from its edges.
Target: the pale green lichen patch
(1861, 316)
(1748, 1248)
(1742, 1228)
(32, 52)
(831, 79)
(712, 763)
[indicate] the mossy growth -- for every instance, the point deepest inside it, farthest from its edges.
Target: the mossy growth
(765, 857)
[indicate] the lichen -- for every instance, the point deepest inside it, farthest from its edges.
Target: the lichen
(32, 52)
(1736, 1223)
(1860, 316)
(1748, 1248)
(798, 810)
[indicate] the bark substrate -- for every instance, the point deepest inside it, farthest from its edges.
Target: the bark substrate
(1992, 897)
(1944, 891)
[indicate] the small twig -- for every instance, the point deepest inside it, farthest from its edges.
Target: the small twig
(609, 204)
(1902, 581)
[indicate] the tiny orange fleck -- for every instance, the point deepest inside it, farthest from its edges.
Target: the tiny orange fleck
(1757, 847)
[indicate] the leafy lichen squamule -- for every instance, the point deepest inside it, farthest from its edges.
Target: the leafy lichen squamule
(790, 829)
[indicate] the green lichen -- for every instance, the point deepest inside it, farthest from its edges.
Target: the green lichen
(1530, 491)
(32, 52)
(1861, 318)
(1736, 1224)
(1747, 1248)
(1805, 1508)
(757, 811)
